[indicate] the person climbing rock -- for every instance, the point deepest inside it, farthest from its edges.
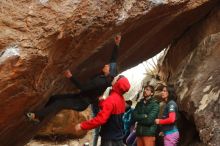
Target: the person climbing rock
(145, 112)
(168, 121)
(89, 91)
(98, 84)
(110, 115)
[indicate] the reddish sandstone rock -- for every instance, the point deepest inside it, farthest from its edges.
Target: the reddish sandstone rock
(63, 124)
(193, 66)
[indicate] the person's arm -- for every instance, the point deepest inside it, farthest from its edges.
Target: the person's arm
(130, 118)
(127, 117)
(76, 83)
(106, 93)
(100, 119)
(114, 55)
(69, 75)
(152, 115)
(93, 83)
(171, 117)
(170, 120)
(124, 117)
(138, 117)
(85, 86)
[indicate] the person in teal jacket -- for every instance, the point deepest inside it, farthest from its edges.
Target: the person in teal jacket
(128, 119)
(145, 113)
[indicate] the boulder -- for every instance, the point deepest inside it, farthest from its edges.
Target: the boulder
(192, 66)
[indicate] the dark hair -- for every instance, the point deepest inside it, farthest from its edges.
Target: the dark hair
(129, 102)
(120, 76)
(151, 88)
(171, 92)
(158, 78)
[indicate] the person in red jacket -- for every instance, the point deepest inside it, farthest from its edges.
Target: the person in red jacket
(110, 115)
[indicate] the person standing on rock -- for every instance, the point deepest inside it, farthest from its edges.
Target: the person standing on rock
(89, 91)
(145, 113)
(168, 121)
(110, 115)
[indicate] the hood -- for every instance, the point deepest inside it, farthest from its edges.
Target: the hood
(121, 86)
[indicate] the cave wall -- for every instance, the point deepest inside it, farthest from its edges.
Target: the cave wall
(192, 63)
(40, 39)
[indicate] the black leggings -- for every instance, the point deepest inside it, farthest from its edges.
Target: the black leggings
(111, 142)
(63, 101)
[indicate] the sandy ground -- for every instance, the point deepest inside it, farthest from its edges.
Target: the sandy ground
(76, 142)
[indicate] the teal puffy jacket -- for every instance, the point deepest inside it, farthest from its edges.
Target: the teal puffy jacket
(145, 114)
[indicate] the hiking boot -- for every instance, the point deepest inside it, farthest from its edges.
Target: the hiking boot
(32, 117)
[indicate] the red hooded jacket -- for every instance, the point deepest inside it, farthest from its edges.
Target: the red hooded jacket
(110, 115)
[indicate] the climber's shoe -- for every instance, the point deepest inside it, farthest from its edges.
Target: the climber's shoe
(31, 117)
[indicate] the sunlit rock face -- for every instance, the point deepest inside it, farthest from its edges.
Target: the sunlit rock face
(193, 63)
(40, 39)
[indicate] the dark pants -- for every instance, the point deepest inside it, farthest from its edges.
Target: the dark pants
(127, 133)
(63, 101)
(159, 139)
(95, 110)
(131, 139)
(111, 142)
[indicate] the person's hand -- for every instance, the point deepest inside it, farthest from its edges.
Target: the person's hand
(78, 128)
(145, 115)
(157, 121)
(161, 134)
(101, 98)
(117, 39)
(114, 80)
(68, 74)
(135, 126)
